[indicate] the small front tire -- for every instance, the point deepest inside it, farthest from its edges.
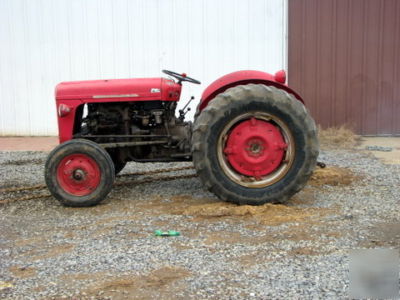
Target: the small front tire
(79, 173)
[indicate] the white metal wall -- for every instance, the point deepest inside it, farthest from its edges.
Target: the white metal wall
(43, 42)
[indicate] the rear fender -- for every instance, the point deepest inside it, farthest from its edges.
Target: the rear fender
(245, 77)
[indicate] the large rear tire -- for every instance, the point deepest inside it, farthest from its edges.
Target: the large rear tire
(79, 173)
(254, 144)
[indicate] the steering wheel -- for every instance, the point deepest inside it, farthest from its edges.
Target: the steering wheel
(181, 77)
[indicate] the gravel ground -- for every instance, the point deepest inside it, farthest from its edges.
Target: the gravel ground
(294, 251)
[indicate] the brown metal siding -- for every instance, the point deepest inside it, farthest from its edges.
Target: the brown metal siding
(344, 61)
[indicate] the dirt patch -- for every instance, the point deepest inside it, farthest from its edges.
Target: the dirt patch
(300, 233)
(387, 157)
(225, 237)
(102, 231)
(220, 209)
(302, 223)
(22, 272)
(176, 203)
(312, 228)
(338, 137)
(69, 235)
(332, 176)
(267, 214)
(113, 204)
(305, 197)
(182, 246)
(82, 276)
(383, 235)
(113, 220)
(82, 280)
(202, 208)
(264, 236)
(159, 283)
(252, 259)
(29, 241)
(304, 251)
(159, 205)
(303, 232)
(53, 251)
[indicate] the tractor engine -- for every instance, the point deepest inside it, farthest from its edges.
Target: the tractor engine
(137, 131)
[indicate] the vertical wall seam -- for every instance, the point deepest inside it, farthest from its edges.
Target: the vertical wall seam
(27, 67)
(303, 41)
(364, 102)
(333, 64)
(380, 67)
(285, 29)
(348, 46)
(395, 76)
(129, 32)
(317, 65)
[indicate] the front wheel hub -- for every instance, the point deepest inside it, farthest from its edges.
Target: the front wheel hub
(255, 148)
(78, 174)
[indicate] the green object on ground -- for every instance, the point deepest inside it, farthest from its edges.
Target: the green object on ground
(166, 233)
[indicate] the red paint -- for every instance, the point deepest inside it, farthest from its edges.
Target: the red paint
(255, 148)
(137, 89)
(78, 174)
(66, 123)
(243, 77)
(280, 76)
(74, 93)
(70, 95)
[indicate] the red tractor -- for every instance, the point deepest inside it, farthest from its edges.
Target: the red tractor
(252, 140)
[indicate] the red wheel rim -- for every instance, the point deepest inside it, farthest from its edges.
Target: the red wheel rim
(78, 174)
(255, 148)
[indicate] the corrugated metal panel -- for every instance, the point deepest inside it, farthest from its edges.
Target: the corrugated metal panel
(344, 61)
(43, 42)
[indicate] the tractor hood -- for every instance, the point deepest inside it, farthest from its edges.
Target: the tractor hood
(137, 89)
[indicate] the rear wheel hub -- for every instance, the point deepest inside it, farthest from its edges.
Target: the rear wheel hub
(255, 148)
(78, 174)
